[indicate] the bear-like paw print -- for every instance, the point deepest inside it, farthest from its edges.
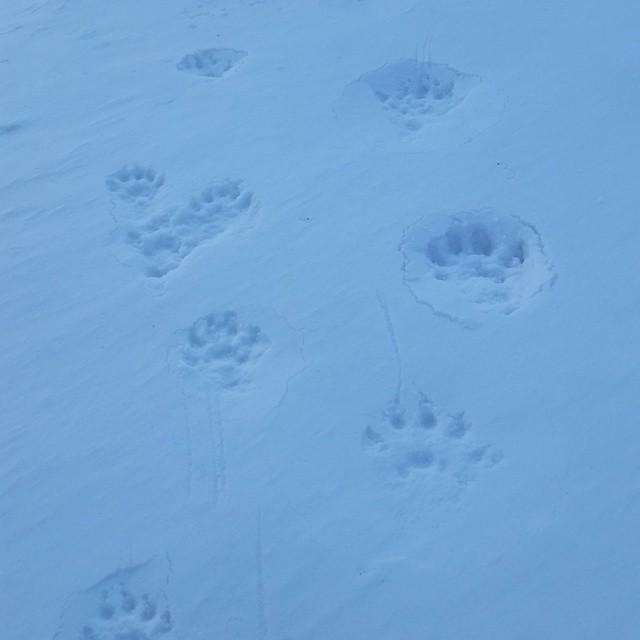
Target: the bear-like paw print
(122, 615)
(135, 184)
(471, 264)
(219, 348)
(411, 91)
(427, 443)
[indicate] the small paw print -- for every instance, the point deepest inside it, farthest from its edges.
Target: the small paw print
(121, 615)
(135, 184)
(427, 442)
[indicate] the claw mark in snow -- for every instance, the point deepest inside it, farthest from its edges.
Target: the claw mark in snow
(262, 615)
(217, 445)
(394, 344)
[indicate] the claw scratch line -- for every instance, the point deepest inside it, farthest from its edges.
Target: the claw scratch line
(212, 449)
(262, 616)
(188, 427)
(394, 345)
(222, 463)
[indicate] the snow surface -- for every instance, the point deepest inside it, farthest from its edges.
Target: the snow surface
(319, 320)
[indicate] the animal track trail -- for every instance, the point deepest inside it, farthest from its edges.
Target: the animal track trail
(162, 240)
(427, 445)
(135, 184)
(473, 264)
(211, 63)
(215, 355)
(120, 608)
(411, 92)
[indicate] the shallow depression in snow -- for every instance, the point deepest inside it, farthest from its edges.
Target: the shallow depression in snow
(212, 63)
(410, 91)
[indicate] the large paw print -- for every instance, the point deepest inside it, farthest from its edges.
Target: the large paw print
(411, 91)
(427, 443)
(218, 348)
(212, 63)
(135, 184)
(121, 615)
(474, 263)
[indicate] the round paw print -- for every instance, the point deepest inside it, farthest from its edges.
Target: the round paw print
(135, 184)
(221, 349)
(122, 615)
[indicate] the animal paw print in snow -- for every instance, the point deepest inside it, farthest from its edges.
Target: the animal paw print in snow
(474, 263)
(135, 184)
(123, 616)
(219, 348)
(211, 63)
(428, 442)
(410, 90)
(163, 239)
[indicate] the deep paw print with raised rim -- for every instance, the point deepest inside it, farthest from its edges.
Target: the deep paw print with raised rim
(122, 615)
(470, 264)
(135, 184)
(410, 90)
(425, 442)
(218, 348)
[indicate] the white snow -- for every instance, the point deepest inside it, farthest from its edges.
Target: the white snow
(319, 320)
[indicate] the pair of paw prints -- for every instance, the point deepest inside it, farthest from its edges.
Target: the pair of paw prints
(220, 349)
(121, 615)
(164, 239)
(428, 443)
(470, 264)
